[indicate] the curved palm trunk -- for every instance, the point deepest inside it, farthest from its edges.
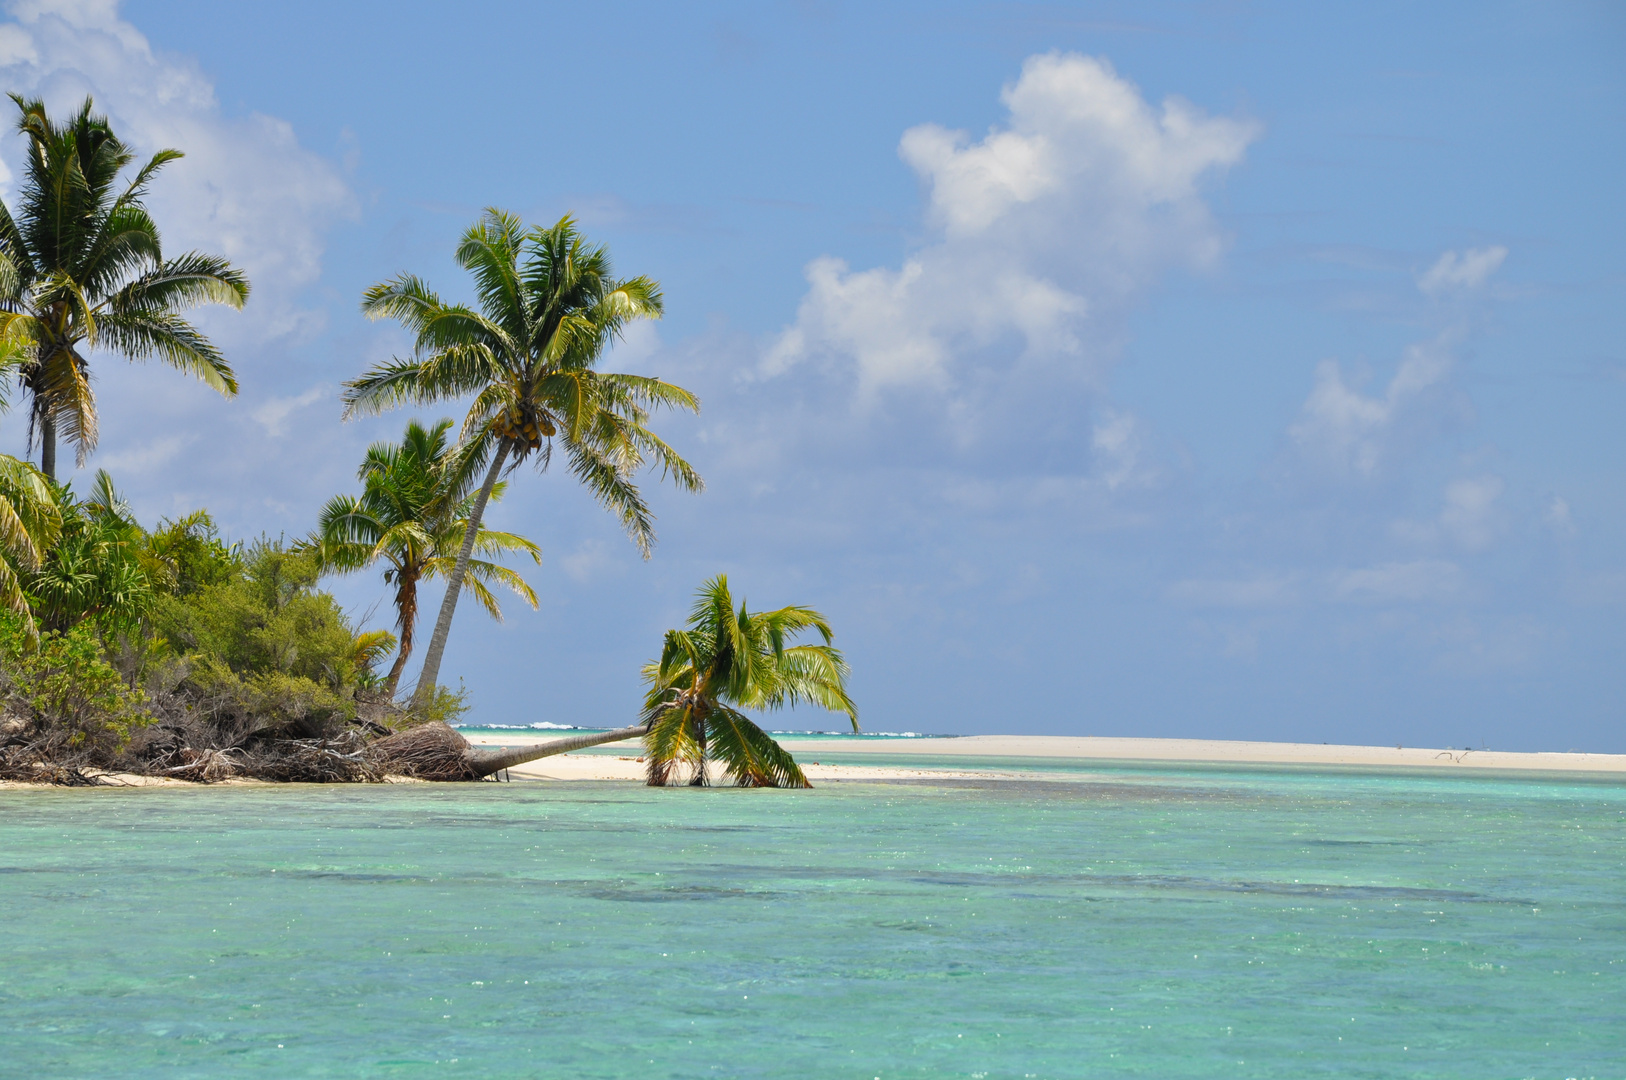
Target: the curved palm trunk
(406, 616)
(430, 674)
(701, 779)
(48, 445)
(486, 762)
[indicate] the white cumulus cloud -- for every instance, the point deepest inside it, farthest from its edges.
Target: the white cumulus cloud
(246, 188)
(1044, 229)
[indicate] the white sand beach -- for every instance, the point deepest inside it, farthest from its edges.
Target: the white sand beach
(1013, 748)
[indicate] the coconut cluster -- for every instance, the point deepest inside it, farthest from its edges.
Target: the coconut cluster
(524, 425)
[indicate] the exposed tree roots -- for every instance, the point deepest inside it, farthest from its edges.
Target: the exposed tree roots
(428, 752)
(209, 746)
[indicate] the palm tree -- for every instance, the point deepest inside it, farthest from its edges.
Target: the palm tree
(549, 307)
(412, 514)
(81, 267)
(726, 660)
(30, 523)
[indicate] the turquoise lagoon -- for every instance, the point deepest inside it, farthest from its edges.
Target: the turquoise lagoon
(1122, 922)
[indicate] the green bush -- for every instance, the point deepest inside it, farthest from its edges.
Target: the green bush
(186, 555)
(269, 619)
(66, 687)
(445, 705)
(267, 703)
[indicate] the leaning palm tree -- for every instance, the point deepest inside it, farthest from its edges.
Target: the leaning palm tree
(412, 513)
(729, 659)
(81, 267)
(30, 523)
(549, 307)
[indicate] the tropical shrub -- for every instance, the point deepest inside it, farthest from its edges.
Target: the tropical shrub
(269, 619)
(61, 693)
(186, 555)
(94, 569)
(177, 653)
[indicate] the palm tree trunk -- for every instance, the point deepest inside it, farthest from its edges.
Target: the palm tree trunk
(486, 762)
(48, 445)
(700, 777)
(428, 677)
(406, 612)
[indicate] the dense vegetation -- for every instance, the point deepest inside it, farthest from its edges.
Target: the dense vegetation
(170, 650)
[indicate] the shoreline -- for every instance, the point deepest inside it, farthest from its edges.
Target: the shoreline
(1101, 749)
(619, 762)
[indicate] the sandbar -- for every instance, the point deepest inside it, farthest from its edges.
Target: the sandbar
(1050, 748)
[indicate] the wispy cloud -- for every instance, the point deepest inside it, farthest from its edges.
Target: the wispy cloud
(1267, 591)
(590, 560)
(273, 415)
(1558, 516)
(145, 458)
(1460, 271)
(1348, 431)
(1400, 582)
(1342, 429)
(1469, 515)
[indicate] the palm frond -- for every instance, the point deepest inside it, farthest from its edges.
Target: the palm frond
(14, 600)
(29, 519)
(407, 299)
(604, 479)
(62, 391)
(184, 282)
(490, 251)
(141, 332)
(492, 542)
(104, 501)
(673, 742)
(750, 756)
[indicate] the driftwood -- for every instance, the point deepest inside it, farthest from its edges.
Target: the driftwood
(345, 758)
(205, 766)
(437, 752)
(27, 764)
(189, 748)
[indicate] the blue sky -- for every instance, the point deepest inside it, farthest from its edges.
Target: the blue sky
(1215, 370)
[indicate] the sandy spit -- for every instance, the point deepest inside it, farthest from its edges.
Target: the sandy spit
(1092, 748)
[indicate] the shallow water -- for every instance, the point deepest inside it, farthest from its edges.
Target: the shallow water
(1130, 922)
